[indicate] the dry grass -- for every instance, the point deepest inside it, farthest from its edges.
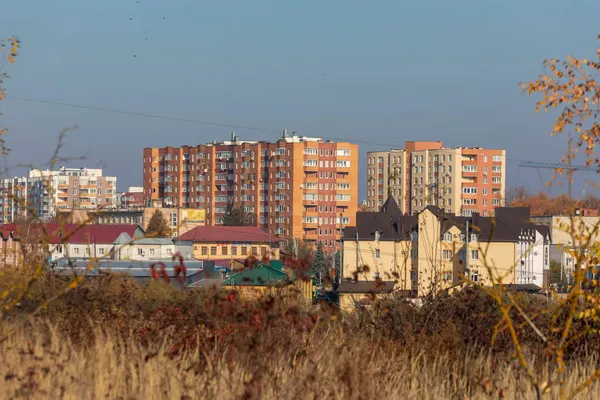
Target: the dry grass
(46, 364)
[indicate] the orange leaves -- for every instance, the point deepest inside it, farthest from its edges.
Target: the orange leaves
(571, 84)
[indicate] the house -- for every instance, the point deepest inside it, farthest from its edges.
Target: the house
(357, 294)
(434, 251)
(229, 243)
(144, 249)
(58, 241)
(572, 238)
(264, 278)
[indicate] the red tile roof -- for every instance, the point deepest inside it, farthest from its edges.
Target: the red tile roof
(57, 233)
(211, 234)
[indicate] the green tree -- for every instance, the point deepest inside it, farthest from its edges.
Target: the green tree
(319, 265)
(157, 227)
(236, 216)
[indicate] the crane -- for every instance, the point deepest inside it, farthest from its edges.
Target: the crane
(555, 166)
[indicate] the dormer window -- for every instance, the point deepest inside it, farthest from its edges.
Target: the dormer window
(377, 236)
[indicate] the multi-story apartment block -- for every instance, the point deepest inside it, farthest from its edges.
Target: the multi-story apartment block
(70, 189)
(294, 187)
(13, 197)
(459, 180)
(44, 193)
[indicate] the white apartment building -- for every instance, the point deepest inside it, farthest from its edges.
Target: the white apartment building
(46, 192)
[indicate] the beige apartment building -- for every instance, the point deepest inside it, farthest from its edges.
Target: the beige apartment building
(294, 187)
(69, 189)
(460, 180)
(46, 193)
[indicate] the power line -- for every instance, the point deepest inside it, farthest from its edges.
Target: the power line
(211, 123)
(165, 117)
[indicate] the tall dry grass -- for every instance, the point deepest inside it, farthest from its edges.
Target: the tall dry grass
(113, 338)
(42, 363)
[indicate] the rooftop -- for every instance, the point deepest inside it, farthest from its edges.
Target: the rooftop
(212, 234)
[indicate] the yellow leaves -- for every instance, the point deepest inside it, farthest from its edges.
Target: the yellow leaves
(11, 59)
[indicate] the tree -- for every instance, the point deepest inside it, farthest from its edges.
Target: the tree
(542, 203)
(236, 216)
(299, 248)
(319, 264)
(157, 227)
(559, 278)
(572, 86)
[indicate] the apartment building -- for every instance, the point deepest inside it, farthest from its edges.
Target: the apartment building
(460, 180)
(69, 189)
(295, 187)
(46, 193)
(13, 199)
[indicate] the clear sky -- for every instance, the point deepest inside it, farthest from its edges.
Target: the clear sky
(369, 71)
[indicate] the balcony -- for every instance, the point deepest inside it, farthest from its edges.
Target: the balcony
(310, 225)
(309, 203)
(310, 235)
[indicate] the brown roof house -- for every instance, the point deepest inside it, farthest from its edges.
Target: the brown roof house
(230, 244)
(434, 251)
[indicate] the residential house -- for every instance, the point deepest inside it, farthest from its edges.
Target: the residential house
(435, 251)
(229, 243)
(265, 277)
(68, 240)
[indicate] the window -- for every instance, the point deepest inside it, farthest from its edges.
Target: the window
(233, 250)
(254, 250)
(140, 252)
(447, 237)
(224, 250)
(213, 250)
(473, 237)
(474, 254)
(469, 190)
(244, 251)
(101, 251)
(496, 179)
(469, 168)
(263, 251)
(204, 250)
(377, 253)
(496, 168)
(446, 254)
(151, 251)
(475, 277)
(497, 158)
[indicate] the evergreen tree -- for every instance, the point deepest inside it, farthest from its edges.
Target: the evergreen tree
(157, 227)
(319, 265)
(236, 216)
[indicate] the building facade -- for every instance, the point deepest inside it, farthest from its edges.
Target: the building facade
(45, 193)
(229, 243)
(458, 180)
(434, 251)
(13, 201)
(294, 187)
(179, 220)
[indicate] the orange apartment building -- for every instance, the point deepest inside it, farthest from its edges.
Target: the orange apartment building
(296, 187)
(460, 180)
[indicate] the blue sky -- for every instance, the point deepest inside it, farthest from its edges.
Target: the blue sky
(393, 71)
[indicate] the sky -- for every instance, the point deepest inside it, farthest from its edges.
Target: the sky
(378, 73)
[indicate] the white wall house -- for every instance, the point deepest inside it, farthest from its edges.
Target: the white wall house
(532, 256)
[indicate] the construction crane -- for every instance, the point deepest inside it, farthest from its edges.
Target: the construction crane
(568, 168)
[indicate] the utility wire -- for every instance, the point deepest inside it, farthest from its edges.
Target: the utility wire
(158, 116)
(203, 122)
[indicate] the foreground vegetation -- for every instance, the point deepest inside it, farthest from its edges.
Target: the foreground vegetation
(113, 338)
